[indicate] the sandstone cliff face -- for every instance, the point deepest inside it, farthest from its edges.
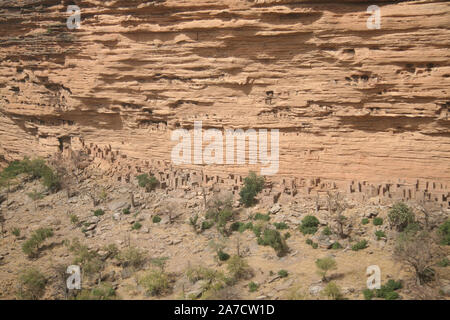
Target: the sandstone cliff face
(351, 104)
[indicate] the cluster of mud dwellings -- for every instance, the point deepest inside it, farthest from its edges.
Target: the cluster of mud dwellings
(277, 188)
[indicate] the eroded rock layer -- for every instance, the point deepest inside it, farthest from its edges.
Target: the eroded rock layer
(351, 103)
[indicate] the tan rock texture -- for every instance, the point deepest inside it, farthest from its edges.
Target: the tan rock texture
(351, 104)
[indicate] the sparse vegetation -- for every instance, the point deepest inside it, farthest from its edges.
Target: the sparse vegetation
(283, 273)
(207, 224)
(89, 260)
(147, 182)
(31, 284)
(324, 265)
(400, 216)
(274, 239)
(214, 280)
(126, 211)
(386, 291)
(74, 219)
(333, 291)
(220, 212)
(309, 225)
(336, 208)
(416, 248)
(360, 245)
(16, 232)
(380, 234)
(336, 246)
(326, 231)
(32, 245)
(253, 286)
(365, 221)
(238, 268)
(156, 282)
(136, 226)
(132, 258)
(156, 219)
(444, 233)
(36, 169)
(99, 212)
(223, 256)
(280, 225)
(377, 221)
(253, 184)
(103, 291)
(262, 217)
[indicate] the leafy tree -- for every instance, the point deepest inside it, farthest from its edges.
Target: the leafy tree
(253, 184)
(324, 265)
(400, 216)
(31, 284)
(309, 225)
(415, 248)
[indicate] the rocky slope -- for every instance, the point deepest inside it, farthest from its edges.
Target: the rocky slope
(350, 103)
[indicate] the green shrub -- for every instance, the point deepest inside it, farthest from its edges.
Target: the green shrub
(262, 217)
(89, 261)
(280, 225)
(156, 219)
(253, 184)
(283, 273)
(112, 250)
(257, 229)
(238, 268)
(309, 225)
(126, 211)
(287, 235)
(74, 219)
(326, 231)
(377, 221)
(223, 256)
(159, 262)
(156, 282)
(222, 218)
(444, 232)
(99, 212)
(387, 291)
(336, 246)
(207, 224)
(392, 295)
(31, 284)
(32, 245)
(36, 169)
(235, 226)
(132, 257)
(253, 286)
(368, 294)
(273, 238)
(365, 221)
(309, 241)
(16, 232)
(380, 234)
(314, 245)
(324, 265)
(444, 263)
(136, 226)
(333, 291)
(213, 280)
(400, 215)
(149, 183)
(360, 245)
(103, 291)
